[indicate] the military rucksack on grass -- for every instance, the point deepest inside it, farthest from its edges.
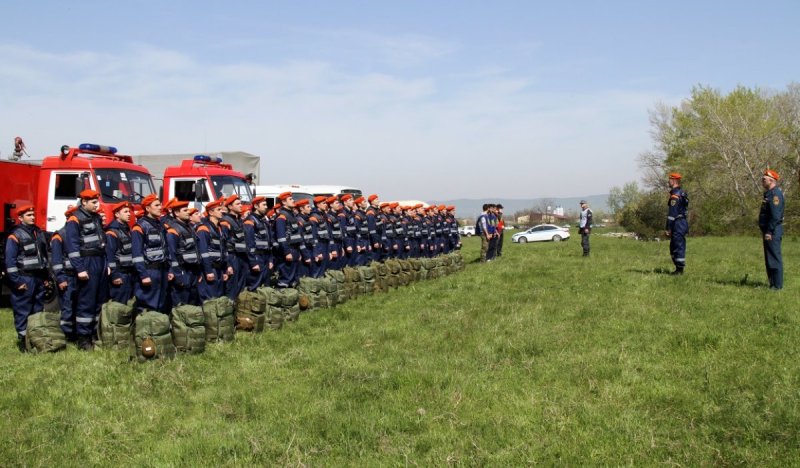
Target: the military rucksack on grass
(44, 334)
(116, 324)
(189, 329)
(251, 311)
(220, 319)
(153, 328)
(274, 311)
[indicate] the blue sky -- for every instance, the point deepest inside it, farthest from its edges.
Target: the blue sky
(410, 99)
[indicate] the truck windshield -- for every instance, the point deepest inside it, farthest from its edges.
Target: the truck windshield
(225, 186)
(119, 185)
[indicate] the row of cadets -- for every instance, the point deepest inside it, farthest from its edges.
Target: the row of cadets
(258, 238)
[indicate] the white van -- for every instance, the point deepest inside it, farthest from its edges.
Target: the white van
(271, 192)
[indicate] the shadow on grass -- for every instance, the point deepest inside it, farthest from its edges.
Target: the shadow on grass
(656, 271)
(744, 282)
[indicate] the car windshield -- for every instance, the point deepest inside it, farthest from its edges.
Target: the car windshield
(118, 185)
(225, 186)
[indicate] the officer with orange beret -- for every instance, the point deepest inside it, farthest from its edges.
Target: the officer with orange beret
(258, 237)
(151, 258)
(184, 255)
(119, 254)
(26, 265)
(677, 223)
(211, 245)
(770, 221)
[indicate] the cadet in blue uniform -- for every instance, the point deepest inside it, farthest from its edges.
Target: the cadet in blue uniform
(183, 254)
(312, 258)
(335, 248)
(363, 248)
(237, 247)
(374, 228)
(151, 258)
(323, 229)
(214, 257)
(289, 237)
(26, 265)
(770, 220)
(65, 278)
(677, 222)
(259, 245)
(119, 254)
(85, 244)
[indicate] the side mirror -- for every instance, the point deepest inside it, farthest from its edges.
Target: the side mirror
(200, 190)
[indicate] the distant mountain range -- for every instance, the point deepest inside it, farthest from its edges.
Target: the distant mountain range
(471, 208)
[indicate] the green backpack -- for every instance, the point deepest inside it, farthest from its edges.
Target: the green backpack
(337, 283)
(251, 308)
(116, 322)
(189, 329)
(274, 319)
(289, 303)
(155, 326)
(44, 334)
(220, 319)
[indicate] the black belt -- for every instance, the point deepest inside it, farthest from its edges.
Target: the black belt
(155, 265)
(90, 253)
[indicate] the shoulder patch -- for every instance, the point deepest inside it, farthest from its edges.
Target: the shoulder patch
(776, 200)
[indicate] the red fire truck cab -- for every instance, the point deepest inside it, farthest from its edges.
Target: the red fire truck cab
(204, 179)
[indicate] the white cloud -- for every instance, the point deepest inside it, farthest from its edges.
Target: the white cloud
(492, 133)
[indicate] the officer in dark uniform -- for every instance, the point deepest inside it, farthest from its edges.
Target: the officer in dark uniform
(237, 247)
(184, 255)
(363, 249)
(302, 212)
(258, 238)
(213, 254)
(289, 237)
(119, 254)
(400, 232)
(387, 233)
(375, 227)
(26, 265)
(336, 247)
(770, 220)
(64, 275)
(85, 244)
(585, 226)
(323, 229)
(151, 258)
(452, 222)
(677, 222)
(350, 230)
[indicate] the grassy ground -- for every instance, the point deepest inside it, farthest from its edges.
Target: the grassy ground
(540, 357)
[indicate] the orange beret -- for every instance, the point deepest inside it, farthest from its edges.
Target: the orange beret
(394, 205)
(146, 201)
(675, 175)
(418, 206)
(330, 200)
(231, 199)
(359, 200)
(441, 207)
(450, 207)
(192, 211)
(320, 199)
(211, 205)
(284, 195)
(118, 206)
(302, 202)
(773, 174)
(24, 209)
(346, 197)
(177, 204)
(258, 200)
(138, 212)
(384, 205)
(372, 197)
(169, 203)
(89, 194)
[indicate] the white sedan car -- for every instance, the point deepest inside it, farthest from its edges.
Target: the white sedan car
(542, 232)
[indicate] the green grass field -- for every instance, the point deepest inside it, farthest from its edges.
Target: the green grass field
(540, 357)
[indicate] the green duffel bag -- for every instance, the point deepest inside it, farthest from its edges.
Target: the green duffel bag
(251, 311)
(116, 323)
(445, 260)
(274, 313)
(328, 284)
(189, 329)
(290, 304)
(309, 285)
(416, 264)
(367, 273)
(380, 268)
(394, 266)
(220, 319)
(337, 277)
(44, 334)
(405, 278)
(405, 265)
(151, 337)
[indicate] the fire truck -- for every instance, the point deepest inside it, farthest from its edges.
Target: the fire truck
(203, 179)
(52, 185)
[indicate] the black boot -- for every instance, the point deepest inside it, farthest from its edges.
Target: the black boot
(21, 344)
(678, 271)
(85, 343)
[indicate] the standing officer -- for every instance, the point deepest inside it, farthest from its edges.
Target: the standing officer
(26, 265)
(310, 259)
(377, 237)
(237, 248)
(259, 245)
(86, 244)
(336, 246)
(363, 249)
(677, 224)
(119, 254)
(214, 257)
(770, 220)
(289, 237)
(184, 255)
(349, 230)
(585, 226)
(151, 258)
(64, 274)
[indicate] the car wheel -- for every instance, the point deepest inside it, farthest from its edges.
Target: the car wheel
(523, 240)
(556, 238)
